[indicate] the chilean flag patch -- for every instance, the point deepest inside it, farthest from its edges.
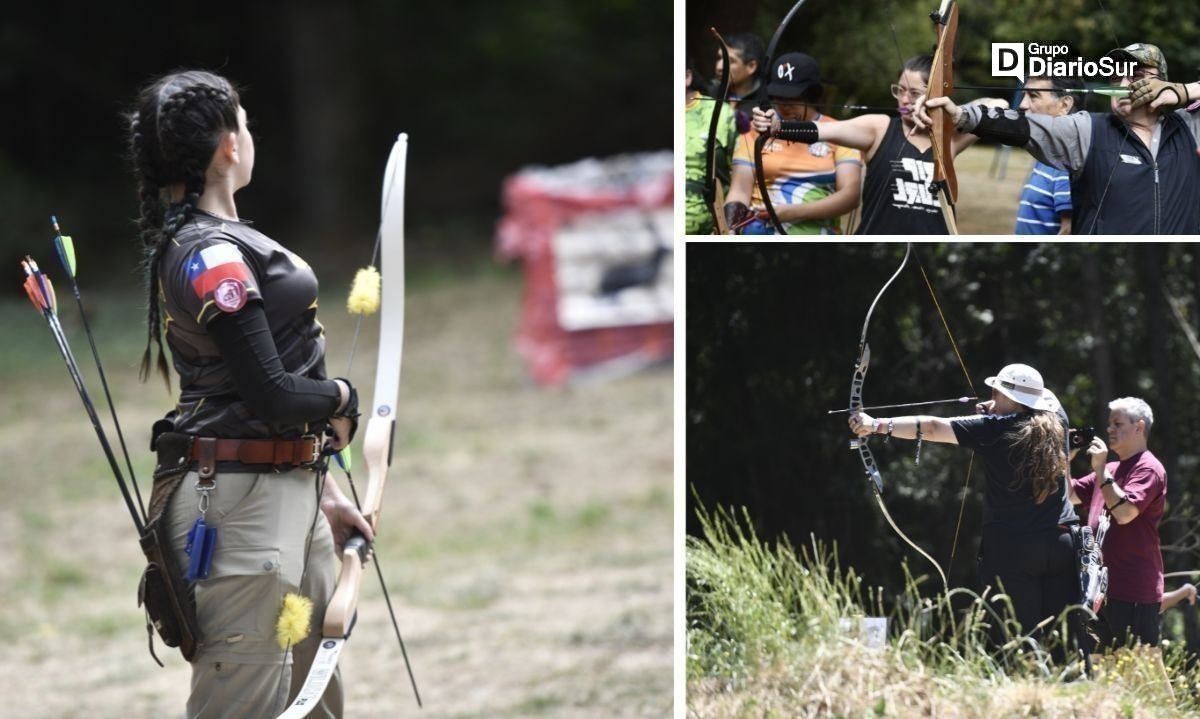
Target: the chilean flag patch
(219, 267)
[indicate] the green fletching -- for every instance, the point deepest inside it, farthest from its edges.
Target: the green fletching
(66, 253)
(344, 458)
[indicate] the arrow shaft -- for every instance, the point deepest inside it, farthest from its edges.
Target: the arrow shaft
(112, 409)
(64, 247)
(73, 369)
(958, 400)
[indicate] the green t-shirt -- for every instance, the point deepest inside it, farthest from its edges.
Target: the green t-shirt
(698, 119)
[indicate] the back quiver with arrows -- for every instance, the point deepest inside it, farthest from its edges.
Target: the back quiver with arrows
(170, 601)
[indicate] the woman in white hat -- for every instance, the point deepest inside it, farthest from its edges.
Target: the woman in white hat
(1026, 549)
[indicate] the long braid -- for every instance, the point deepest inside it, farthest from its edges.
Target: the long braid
(143, 148)
(173, 134)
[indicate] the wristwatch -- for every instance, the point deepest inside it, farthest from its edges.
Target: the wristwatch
(1108, 479)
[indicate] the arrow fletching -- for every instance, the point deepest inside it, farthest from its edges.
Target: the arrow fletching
(64, 247)
(31, 288)
(38, 287)
(344, 459)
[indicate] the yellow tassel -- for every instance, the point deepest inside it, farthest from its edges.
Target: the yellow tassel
(364, 293)
(294, 618)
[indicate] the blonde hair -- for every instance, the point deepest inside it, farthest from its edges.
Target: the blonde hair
(1040, 440)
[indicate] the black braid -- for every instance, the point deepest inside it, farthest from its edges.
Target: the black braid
(173, 134)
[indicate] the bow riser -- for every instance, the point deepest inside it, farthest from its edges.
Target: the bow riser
(856, 405)
(340, 613)
(941, 84)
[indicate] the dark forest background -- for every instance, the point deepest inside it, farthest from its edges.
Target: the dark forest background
(860, 44)
(483, 89)
(772, 337)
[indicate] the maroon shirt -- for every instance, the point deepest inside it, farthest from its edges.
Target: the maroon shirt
(1132, 551)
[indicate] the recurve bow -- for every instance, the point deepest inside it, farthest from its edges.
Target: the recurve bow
(341, 612)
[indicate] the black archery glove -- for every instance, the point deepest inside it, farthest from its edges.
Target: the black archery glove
(737, 215)
(1149, 89)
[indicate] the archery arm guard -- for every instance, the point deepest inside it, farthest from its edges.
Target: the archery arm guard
(798, 131)
(1009, 127)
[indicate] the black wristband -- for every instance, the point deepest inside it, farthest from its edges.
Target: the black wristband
(351, 408)
(350, 411)
(798, 131)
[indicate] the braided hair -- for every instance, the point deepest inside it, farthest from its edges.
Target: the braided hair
(174, 130)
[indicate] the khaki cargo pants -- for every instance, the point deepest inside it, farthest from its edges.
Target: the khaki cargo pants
(263, 524)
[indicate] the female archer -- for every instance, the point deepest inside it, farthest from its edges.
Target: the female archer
(896, 194)
(255, 517)
(813, 183)
(1026, 551)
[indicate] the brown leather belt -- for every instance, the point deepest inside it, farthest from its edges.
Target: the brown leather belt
(207, 451)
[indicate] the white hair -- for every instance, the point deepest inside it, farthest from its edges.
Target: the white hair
(1134, 408)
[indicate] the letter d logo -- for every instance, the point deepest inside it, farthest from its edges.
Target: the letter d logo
(1008, 60)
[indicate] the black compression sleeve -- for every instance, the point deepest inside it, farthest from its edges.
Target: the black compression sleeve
(271, 393)
(1010, 127)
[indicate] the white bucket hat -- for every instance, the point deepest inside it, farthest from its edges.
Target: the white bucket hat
(1023, 385)
(1055, 406)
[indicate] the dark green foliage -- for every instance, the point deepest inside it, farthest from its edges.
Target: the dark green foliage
(482, 88)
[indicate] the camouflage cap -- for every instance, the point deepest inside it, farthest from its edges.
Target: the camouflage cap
(1143, 54)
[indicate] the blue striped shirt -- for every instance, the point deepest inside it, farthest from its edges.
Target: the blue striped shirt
(1046, 196)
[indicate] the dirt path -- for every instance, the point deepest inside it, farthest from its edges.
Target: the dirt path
(526, 535)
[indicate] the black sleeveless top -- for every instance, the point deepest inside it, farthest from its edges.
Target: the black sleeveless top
(896, 196)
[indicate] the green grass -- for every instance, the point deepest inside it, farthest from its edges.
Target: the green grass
(765, 639)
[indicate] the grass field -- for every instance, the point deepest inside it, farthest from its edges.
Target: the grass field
(775, 632)
(526, 533)
(989, 186)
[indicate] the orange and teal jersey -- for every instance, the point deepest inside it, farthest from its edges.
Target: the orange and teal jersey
(796, 173)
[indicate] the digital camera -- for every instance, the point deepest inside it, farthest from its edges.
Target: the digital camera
(1080, 438)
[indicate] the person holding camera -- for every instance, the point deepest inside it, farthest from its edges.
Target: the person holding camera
(1026, 551)
(1133, 492)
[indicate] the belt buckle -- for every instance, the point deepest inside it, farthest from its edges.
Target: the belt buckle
(316, 450)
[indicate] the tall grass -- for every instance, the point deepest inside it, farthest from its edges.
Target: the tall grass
(773, 631)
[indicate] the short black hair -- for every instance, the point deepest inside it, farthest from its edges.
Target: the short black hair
(751, 48)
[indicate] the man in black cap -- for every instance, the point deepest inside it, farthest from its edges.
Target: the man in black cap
(811, 184)
(1134, 170)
